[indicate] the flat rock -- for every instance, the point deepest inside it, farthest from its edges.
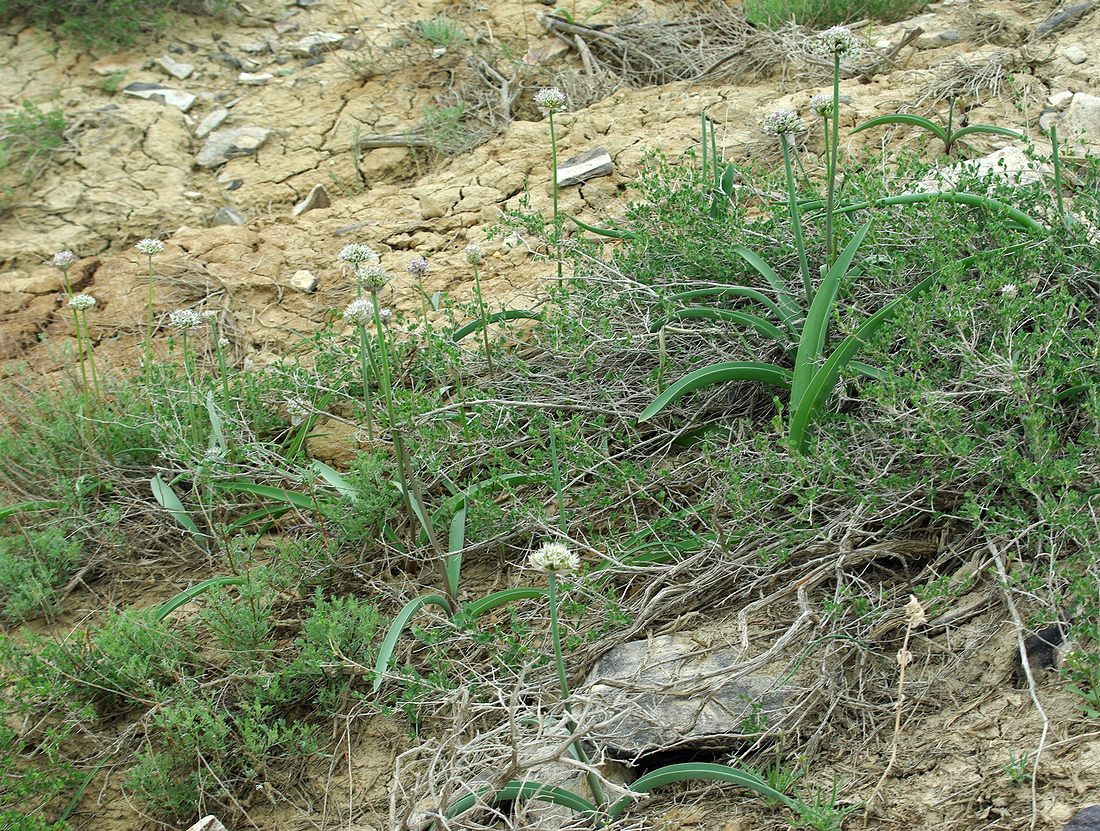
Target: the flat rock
(229, 216)
(317, 198)
(1087, 819)
(209, 823)
(223, 145)
(1060, 100)
(211, 122)
(165, 95)
(177, 69)
(1010, 163)
(587, 165)
(1081, 120)
(304, 281)
(316, 42)
(1064, 18)
(254, 79)
(1075, 55)
(670, 692)
(285, 27)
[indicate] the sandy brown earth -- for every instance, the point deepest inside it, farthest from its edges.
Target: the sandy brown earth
(128, 171)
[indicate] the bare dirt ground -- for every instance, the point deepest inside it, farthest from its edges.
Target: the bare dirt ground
(129, 171)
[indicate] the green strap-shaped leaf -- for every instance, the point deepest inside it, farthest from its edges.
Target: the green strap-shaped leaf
(217, 433)
(456, 541)
(417, 509)
(812, 343)
(336, 479)
(729, 176)
(28, 508)
(790, 311)
(971, 129)
(954, 196)
(500, 598)
(498, 317)
(525, 790)
(298, 500)
(723, 315)
(171, 503)
(904, 118)
(393, 634)
(487, 486)
(705, 771)
(718, 374)
(269, 512)
(867, 371)
(613, 233)
(169, 606)
(722, 292)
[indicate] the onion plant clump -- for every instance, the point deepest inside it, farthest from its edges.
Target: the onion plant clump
(150, 248)
(550, 101)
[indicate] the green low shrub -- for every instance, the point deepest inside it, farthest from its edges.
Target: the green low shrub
(104, 23)
(774, 13)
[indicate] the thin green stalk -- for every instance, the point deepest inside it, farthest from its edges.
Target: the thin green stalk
(484, 313)
(554, 183)
(148, 345)
(368, 405)
(563, 521)
(86, 333)
(1057, 172)
(949, 143)
(830, 243)
(219, 352)
(796, 218)
(188, 371)
(79, 340)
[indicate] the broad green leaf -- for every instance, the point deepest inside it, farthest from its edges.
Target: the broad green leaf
(455, 543)
(28, 508)
(705, 771)
(787, 303)
(174, 603)
(724, 315)
(269, 512)
(904, 118)
(171, 503)
(499, 598)
(336, 479)
(718, 374)
(525, 790)
(498, 317)
(217, 433)
(722, 292)
(393, 634)
(953, 196)
(613, 233)
(971, 129)
(298, 500)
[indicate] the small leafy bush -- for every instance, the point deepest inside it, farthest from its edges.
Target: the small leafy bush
(775, 13)
(33, 565)
(104, 23)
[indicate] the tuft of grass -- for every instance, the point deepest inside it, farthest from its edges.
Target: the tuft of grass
(440, 30)
(776, 13)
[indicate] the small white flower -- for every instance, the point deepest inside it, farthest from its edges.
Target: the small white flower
(297, 410)
(554, 558)
(782, 122)
(838, 42)
(1009, 291)
(914, 612)
(210, 316)
(474, 254)
(822, 104)
(357, 254)
(248, 365)
(385, 314)
(223, 342)
(149, 247)
(550, 100)
(82, 302)
(185, 320)
(359, 312)
(418, 267)
(372, 277)
(64, 259)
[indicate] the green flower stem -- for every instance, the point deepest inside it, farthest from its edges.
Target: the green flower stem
(148, 345)
(555, 636)
(85, 332)
(554, 189)
(563, 520)
(364, 371)
(484, 313)
(796, 219)
(830, 243)
(221, 367)
(188, 371)
(79, 340)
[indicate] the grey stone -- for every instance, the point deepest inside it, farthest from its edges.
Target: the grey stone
(304, 281)
(164, 95)
(1075, 55)
(585, 166)
(229, 216)
(223, 145)
(317, 198)
(209, 823)
(178, 70)
(316, 42)
(1087, 819)
(670, 692)
(257, 47)
(1061, 19)
(1060, 100)
(211, 122)
(253, 79)
(1081, 120)
(948, 37)
(285, 27)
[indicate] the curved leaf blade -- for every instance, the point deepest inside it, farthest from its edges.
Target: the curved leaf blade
(525, 790)
(168, 500)
(971, 129)
(705, 771)
(786, 301)
(497, 317)
(903, 118)
(393, 634)
(500, 598)
(724, 316)
(173, 603)
(718, 374)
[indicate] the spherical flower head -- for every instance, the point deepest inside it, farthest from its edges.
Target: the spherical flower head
(357, 254)
(554, 558)
(1009, 291)
(82, 302)
(783, 122)
(185, 320)
(63, 259)
(372, 277)
(838, 42)
(474, 254)
(550, 100)
(822, 104)
(223, 342)
(297, 409)
(210, 316)
(385, 315)
(149, 247)
(359, 312)
(418, 267)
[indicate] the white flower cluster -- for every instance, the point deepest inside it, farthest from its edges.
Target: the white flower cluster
(185, 320)
(550, 100)
(298, 410)
(554, 558)
(359, 312)
(357, 254)
(783, 122)
(149, 247)
(822, 104)
(1009, 291)
(838, 42)
(82, 302)
(418, 267)
(372, 277)
(210, 316)
(474, 254)
(63, 259)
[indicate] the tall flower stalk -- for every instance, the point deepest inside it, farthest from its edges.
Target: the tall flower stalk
(474, 257)
(550, 101)
(220, 343)
(80, 304)
(357, 313)
(552, 559)
(187, 322)
(150, 248)
(418, 268)
(837, 43)
(64, 260)
(783, 124)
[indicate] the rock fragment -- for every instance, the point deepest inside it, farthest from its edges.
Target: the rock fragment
(317, 198)
(1061, 19)
(211, 122)
(1075, 55)
(209, 823)
(315, 43)
(162, 94)
(304, 281)
(1087, 819)
(177, 69)
(254, 79)
(1081, 120)
(223, 145)
(585, 166)
(229, 216)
